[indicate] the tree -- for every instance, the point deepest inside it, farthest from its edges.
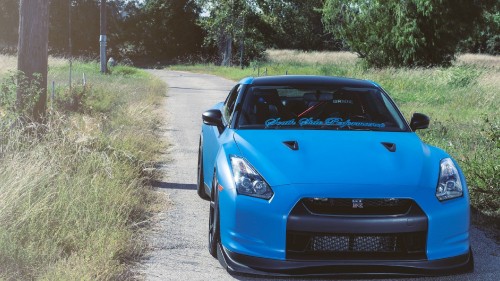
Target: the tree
(297, 24)
(168, 28)
(486, 36)
(85, 25)
(402, 33)
(232, 23)
(32, 59)
(155, 30)
(223, 25)
(252, 26)
(9, 25)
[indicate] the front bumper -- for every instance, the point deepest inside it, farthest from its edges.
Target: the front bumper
(259, 228)
(243, 264)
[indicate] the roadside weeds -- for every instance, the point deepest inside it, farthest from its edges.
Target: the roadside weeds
(76, 194)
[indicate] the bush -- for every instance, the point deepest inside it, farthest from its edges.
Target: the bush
(9, 87)
(486, 36)
(402, 33)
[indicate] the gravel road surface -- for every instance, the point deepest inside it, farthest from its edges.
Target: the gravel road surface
(179, 238)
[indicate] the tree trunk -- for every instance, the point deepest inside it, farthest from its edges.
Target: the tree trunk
(227, 53)
(32, 60)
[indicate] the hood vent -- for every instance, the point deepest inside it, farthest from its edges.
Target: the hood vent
(293, 145)
(390, 146)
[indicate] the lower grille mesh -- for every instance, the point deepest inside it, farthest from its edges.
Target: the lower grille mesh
(329, 243)
(372, 243)
(345, 245)
(376, 244)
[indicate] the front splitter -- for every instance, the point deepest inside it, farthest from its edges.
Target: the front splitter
(243, 264)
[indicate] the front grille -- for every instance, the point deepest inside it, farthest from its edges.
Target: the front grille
(318, 246)
(351, 206)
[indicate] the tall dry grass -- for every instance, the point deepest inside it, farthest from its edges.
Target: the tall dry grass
(74, 191)
(9, 63)
(479, 60)
(313, 57)
(332, 57)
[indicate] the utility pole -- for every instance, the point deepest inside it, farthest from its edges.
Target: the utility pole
(102, 37)
(32, 58)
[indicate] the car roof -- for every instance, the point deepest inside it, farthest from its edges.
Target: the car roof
(307, 80)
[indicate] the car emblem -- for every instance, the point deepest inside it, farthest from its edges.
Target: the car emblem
(357, 203)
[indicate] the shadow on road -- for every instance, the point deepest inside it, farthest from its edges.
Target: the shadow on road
(170, 185)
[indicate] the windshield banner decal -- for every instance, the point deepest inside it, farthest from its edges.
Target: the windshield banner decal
(337, 122)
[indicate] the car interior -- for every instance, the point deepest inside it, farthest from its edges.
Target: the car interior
(357, 105)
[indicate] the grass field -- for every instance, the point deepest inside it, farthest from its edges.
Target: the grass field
(74, 192)
(463, 103)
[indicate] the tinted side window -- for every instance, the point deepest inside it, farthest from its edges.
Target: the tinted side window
(228, 109)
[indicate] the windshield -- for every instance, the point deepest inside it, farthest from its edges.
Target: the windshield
(343, 108)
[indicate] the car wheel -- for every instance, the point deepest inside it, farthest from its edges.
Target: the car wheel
(201, 180)
(213, 221)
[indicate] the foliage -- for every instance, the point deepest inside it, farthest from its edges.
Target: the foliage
(84, 16)
(486, 36)
(161, 30)
(9, 25)
(385, 32)
(74, 191)
(9, 86)
(236, 28)
(402, 33)
(231, 23)
(152, 28)
(296, 24)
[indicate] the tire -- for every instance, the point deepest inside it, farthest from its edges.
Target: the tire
(201, 180)
(214, 221)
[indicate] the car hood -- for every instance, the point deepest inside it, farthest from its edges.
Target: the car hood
(334, 157)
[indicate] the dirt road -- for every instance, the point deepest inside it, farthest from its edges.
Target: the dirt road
(179, 240)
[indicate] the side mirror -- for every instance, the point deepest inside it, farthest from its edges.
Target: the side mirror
(419, 121)
(213, 117)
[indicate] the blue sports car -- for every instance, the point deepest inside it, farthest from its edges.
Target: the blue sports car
(311, 175)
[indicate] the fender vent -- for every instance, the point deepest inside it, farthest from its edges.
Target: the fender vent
(293, 145)
(390, 146)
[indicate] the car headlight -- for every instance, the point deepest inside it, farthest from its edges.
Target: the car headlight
(248, 181)
(449, 184)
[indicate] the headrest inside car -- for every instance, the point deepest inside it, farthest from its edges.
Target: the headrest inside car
(325, 97)
(265, 92)
(310, 97)
(318, 96)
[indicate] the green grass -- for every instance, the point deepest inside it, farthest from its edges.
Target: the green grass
(74, 192)
(462, 101)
